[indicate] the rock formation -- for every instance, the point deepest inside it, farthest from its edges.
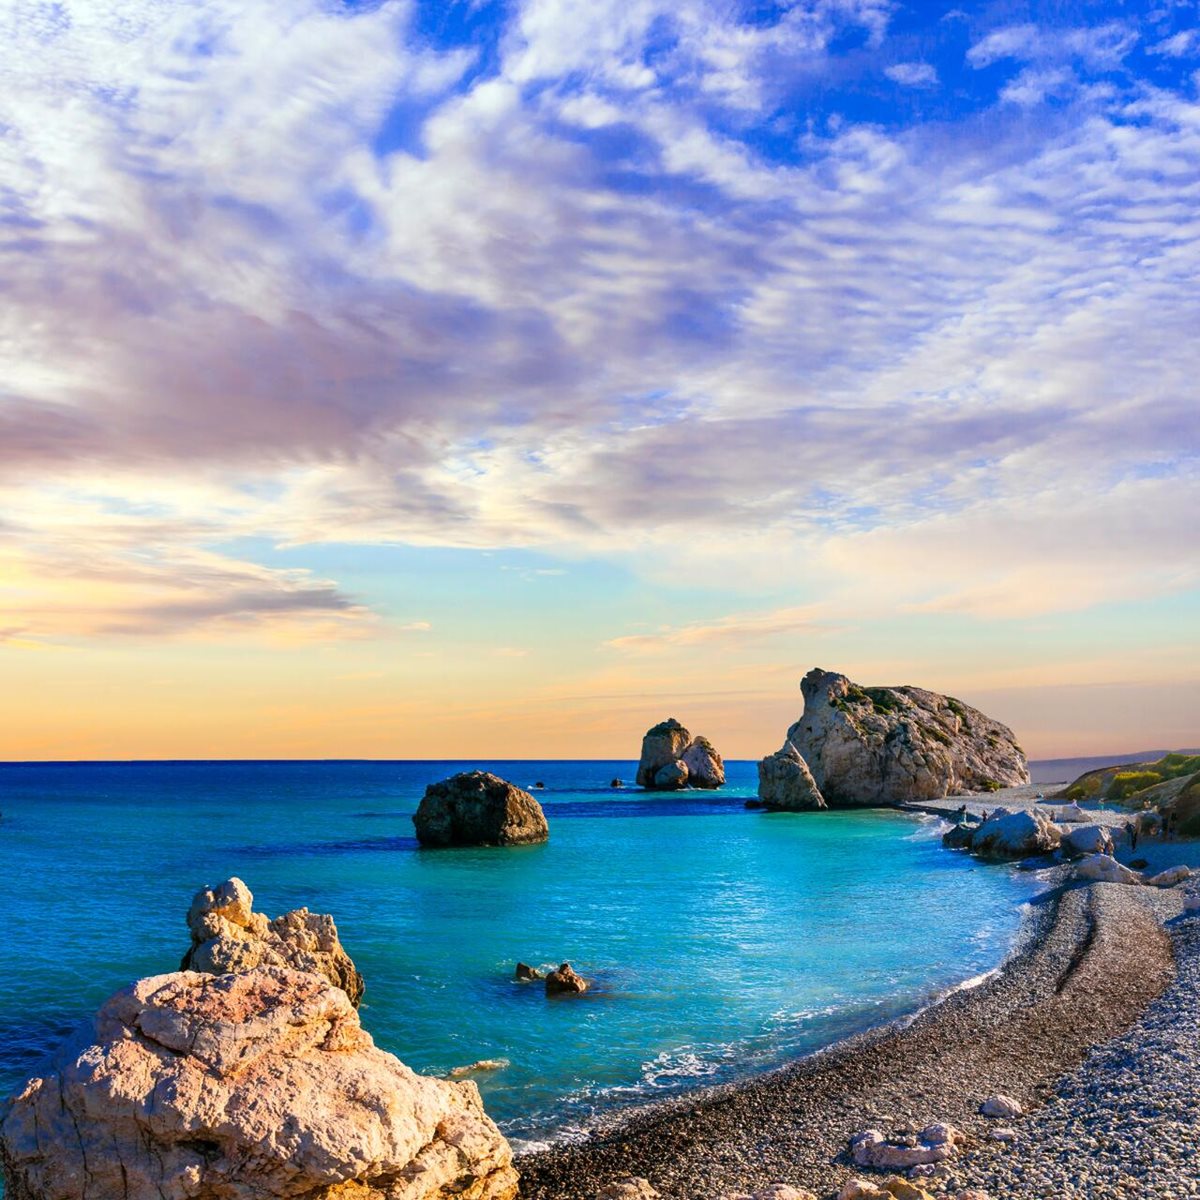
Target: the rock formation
(565, 981)
(256, 1086)
(1105, 869)
(227, 935)
(1087, 839)
(785, 783)
(894, 745)
(934, 1144)
(672, 758)
(476, 808)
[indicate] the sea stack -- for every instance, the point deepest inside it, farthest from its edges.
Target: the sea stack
(257, 1085)
(477, 808)
(672, 758)
(868, 746)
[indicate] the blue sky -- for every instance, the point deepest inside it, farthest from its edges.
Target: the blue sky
(643, 352)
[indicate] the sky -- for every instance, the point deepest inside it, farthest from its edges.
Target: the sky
(494, 379)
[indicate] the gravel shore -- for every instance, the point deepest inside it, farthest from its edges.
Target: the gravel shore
(1127, 1121)
(1096, 957)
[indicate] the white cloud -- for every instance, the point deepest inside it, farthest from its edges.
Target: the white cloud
(912, 74)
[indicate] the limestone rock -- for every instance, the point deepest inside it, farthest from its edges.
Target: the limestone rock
(671, 777)
(1072, 814)
(661, 745)
(256, 1086)
(893, 745)
(525, 973)
(632, 1187)
(564, 981)
(936, 1143)
(1170, 877)
(706, 768)
(786, 784)
(1087, 839)
(1001, 1106)
(477, 808)
(228, 936)
(1104, 869)
(672, 759)
(479, 1068)
(1016, 835)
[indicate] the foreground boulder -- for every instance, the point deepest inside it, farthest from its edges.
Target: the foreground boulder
(477, 808)
(253, 1086)
(896, 745)
(228, 936)
(1021, 834)
(786, 784)
(672, 758)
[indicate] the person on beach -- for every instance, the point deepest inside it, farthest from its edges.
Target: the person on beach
(960, 815)
(1131, 830)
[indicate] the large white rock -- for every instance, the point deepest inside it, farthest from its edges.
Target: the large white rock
(893, 745)
(785, 782)
(244, 1087)
(1001, 1106)
(1088, 839)
(1170, 877)
(1105, 869)
(1072, 814)
(936, 1143)
(1016, 835)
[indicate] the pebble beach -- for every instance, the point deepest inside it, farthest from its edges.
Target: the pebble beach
(1091, 1024)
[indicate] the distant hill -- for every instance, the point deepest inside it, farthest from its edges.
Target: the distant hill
(1063, 770)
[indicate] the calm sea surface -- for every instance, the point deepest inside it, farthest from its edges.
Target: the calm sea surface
(721, 941)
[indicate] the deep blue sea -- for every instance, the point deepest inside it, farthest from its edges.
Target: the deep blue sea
(721, 941)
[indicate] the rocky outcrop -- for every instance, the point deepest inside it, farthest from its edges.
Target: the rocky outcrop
(257, 1086)
(672, 758)
(1021, 834)
(895, 745)
(565, 981)
(227, 935)
(786, 784)
(477, 808)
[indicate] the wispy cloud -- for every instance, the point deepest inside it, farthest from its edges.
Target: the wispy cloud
(737, 628)
(913, 74)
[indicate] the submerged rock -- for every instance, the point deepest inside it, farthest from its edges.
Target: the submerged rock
(671, 758)
(228, 936)
(895, 745)
(479, 1068)
(256, 1086)
(786, 784)
(563, 981)
(1015, 835)
(477, 808)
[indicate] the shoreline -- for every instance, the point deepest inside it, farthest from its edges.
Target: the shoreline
(1090, 961)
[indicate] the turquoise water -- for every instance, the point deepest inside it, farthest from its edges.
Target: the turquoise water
(721, 941)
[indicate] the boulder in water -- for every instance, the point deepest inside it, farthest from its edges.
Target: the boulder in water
(706, 768)
(228, 936)
(477, 808)
(525, 973)
(1014, 835)
(564, 981)
(257, 1085)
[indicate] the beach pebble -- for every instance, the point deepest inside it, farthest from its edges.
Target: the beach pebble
(775, 1191)
(972, 1194)
(632, 1187)
(1001, 1106)
(892, 1188)
(1003, 1135)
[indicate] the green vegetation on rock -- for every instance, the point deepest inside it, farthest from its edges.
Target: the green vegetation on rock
(1126, 783)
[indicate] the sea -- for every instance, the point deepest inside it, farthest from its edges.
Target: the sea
(721, 942)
